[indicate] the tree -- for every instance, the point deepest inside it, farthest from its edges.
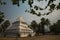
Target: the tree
(39, 28)
(55, 28)
(15, 2)
(47, 22)
(2, 3)
(49, 2)
(34, 25)
(30, 2)
(52, 6)
(1, 17)
(42, 25)
(5, 24)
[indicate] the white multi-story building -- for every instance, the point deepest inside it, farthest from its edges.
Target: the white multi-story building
(19, 28)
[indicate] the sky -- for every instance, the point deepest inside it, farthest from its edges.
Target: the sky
(12, 12)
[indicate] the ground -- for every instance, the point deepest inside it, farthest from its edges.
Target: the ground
(44, 37)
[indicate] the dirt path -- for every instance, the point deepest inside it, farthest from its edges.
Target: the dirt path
(45, 37)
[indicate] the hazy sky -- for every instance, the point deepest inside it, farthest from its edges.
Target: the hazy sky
(11, 11)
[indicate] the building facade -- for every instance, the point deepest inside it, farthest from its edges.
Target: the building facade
(19, 28)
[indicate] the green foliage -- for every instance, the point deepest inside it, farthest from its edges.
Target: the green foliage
(15, 2)
(34, 25)
(58, 6)
(39, 28)
(52, 6)
(5, 24)
(49, 12)
(41, 8)
(33, 12)
(27, 11)
(43, 21)
(47, 22)
(55, 28)
(23, 1)
(49, 2)
(42, 25)
(36, 7)
(30, 2)
(1, 20)
(39, 0)
(1, 16)
(39, 14)
(45, 0)
(2, 3)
